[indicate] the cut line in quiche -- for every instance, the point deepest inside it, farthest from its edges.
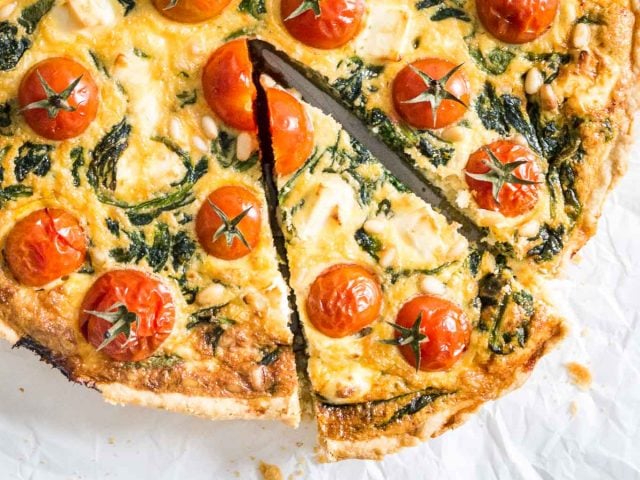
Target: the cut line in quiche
(141, 253)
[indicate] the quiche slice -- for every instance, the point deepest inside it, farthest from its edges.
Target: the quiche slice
(467, 96)
(138, 259)
(409, 328)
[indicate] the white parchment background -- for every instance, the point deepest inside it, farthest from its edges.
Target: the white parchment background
(52, 429)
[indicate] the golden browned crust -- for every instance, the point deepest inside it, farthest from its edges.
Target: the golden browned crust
(38, 321)
(599, 174)
(372, 430)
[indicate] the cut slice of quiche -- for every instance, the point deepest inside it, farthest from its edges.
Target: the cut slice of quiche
(443, 81)
(409, 328)
(138, 257)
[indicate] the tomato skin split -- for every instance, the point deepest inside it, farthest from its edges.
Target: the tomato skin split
(514, 199)
(445, 327)
(343, 300)
(148, 298)
(46, 245)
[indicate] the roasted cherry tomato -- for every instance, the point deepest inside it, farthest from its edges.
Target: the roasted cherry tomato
(58, 98)
(432, 333)
(329, 25)
(190, 11)
(44, 246)
(229, 222)
(517, 21)
(291, 131)
(343, 300)
(127, 314)
(228, 86)
(503, 177)
(431, 93)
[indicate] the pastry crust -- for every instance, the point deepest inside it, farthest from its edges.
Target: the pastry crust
(345, 434)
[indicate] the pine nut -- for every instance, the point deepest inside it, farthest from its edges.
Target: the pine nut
(175, 129)
(530, 229)
(374, 226)
(432, 285)
(548, 98)
(212, 295)
(453, 134)
(387, 257)
(533, 81)
(581, 36)
(244, 146)
(200, 144)
(209, 127)
(7, 10)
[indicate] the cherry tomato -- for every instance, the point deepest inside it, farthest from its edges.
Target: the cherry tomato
(337, 23)
(190, 11)
(44, 246)
(53, 104)
(127, 314)
(517, 21)
(414, 95)
(343, 300)
(229, 222)
(291, 131)
(444, 332)
(228, 86)
(517, 183)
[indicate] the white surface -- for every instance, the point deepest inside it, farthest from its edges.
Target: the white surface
(56, 430)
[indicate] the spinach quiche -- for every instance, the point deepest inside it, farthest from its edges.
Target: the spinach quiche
(172, 222)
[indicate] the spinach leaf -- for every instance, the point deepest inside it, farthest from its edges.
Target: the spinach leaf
(350, 86)
(77, 162)
(551, 243)
(182, 249)
(99, 63)
(31, 15)
(549, 63)
(270, 357)
(437, 156)
(309, 165)
(368, 243)
(13, 192)
(104, 158)
(490, 110)
(33, 158)
(397, 274)
(205, 315)
(473, 261)
(156, 254)
(255, 8)
(113, 226)
(418, 402)
(160, 250)
(423, 4)
(187, 97)
(155, 362)
(128, 5)
(496, 62)
(5, 118)
(11, 47)
(450, 12)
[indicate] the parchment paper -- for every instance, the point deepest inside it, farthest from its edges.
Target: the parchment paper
(548, 429)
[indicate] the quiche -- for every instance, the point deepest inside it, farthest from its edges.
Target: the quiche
(172, 221)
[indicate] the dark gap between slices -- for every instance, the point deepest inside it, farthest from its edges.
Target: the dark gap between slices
(313, 88)
(267, 163)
